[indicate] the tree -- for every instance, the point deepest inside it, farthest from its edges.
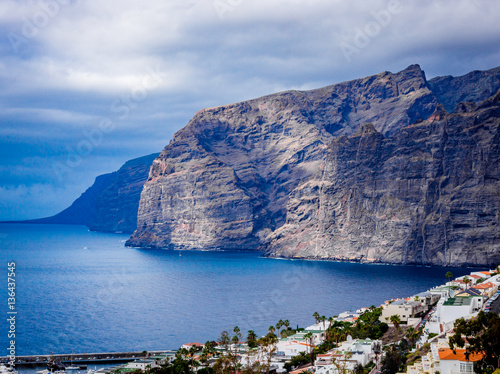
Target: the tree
(322, 319)
(279, 325)
(483, 337)
(224, 339)
(448, 275)
(286, 323)
(267, 347)
(227, 362)
(316, 316)
(466, 280)
(392, 361)
(271, 329)
(377, 349)
(309, 336)
(236, 337)
(395, 320)
(359, 369)
(251, 339)
(411, 335)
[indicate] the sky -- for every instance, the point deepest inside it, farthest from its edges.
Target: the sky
(89, 84)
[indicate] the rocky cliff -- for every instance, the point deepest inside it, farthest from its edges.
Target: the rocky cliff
(224, 180)
(373, 169)
(111, 203)
(429, 194)
(475, 86)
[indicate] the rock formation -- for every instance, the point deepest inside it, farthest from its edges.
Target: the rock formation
(475, 86)
(111, 203)
(373, 169)
(224, 180)
(429, 194)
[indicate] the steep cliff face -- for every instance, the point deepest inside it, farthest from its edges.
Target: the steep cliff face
(117, 205)
(475, 86)
(224, 180)
(83, 210)
(429, 194)
(111, 203)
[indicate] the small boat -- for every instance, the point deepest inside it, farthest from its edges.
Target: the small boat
(72, 368)
(44, 371)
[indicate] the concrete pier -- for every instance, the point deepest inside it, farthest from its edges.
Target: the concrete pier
(82, 358)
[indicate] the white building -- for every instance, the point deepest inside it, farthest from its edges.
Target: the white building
(346, 356)
(404, 309)
(290, 348)
(456, 363)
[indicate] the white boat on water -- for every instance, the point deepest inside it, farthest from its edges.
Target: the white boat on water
(44, 371)
(72, 368)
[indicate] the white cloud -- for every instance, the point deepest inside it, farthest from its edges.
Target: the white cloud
(87, 54)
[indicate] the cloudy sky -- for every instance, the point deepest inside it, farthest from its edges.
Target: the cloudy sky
(90, 84)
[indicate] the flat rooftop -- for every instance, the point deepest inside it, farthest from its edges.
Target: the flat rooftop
(458, 301)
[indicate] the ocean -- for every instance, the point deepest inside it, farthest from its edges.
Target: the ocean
(80, 291)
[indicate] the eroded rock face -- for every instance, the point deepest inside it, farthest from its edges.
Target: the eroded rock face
(224, 180)
(117, 205)
(368, 170)
(429, 194)
(111, 203)
(475, 86)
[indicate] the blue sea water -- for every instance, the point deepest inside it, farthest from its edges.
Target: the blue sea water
(81, 291)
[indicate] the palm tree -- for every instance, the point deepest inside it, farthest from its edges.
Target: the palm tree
(466, 281)
(252, 339)
(309, 336)
(327, 333)
(286, 323)
(271, 329)
(411, 335)
(396, 321)
(224, 340)
(322, 319)
(279, 325)
(316, 316)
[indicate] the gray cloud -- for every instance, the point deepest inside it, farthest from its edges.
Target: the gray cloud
(69, 65)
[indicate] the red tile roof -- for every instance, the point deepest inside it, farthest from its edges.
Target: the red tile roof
(483, 286)
(447, 354)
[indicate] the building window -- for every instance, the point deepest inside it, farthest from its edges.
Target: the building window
(466, 367)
